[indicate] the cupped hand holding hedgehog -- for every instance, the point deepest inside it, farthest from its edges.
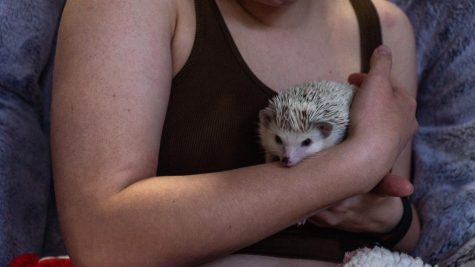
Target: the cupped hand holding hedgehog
(153, 130)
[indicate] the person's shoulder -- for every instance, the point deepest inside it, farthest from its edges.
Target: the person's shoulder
(120, 11)
(111, 23)
(394, 22)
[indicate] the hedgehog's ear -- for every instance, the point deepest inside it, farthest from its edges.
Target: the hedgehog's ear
(265, 117)
(324, 127)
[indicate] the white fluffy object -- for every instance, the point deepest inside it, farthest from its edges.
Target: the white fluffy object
(381, 257)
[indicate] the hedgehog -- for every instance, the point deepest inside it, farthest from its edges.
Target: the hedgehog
(304, 120)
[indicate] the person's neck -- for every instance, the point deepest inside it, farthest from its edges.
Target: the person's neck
(288, 15)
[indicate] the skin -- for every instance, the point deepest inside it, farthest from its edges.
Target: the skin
(114, 68)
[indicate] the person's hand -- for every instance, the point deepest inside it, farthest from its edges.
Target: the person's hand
(383, 119)
(371, 212)
(382, 115)
(377, 212)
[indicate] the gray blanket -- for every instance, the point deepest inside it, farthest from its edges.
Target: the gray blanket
(444, 146)
(27, 220)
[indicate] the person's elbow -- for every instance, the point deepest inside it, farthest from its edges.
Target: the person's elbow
(97, 239)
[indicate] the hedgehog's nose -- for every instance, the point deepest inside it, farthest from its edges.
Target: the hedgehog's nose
(286, 161)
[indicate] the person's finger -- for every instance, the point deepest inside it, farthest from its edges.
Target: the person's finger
(381, 62)
(357, 78)
(394, 185)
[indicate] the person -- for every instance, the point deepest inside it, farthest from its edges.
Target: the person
(155, 157)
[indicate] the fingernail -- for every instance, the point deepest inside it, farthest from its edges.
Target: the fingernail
(384, 50)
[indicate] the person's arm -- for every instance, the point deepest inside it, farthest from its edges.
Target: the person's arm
(112, 81)
(379, 211)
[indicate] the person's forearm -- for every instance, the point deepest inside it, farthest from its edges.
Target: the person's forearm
(181, 220)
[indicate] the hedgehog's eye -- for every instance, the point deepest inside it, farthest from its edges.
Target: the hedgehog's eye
(306, 142)
(278, 140)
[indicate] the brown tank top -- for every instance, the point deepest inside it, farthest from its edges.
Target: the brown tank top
(212, 117)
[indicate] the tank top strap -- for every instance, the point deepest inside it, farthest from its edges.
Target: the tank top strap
(370, 30)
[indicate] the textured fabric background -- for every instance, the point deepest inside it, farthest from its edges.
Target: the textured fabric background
(444, 147)
(27, 34)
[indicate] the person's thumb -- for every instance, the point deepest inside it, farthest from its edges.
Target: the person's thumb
(394, 185)
(381, 62)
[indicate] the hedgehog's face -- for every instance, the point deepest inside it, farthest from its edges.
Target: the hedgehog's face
(291, 147)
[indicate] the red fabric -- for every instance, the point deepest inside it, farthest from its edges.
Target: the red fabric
(54, 263)
(31, 260)
(25, 260)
